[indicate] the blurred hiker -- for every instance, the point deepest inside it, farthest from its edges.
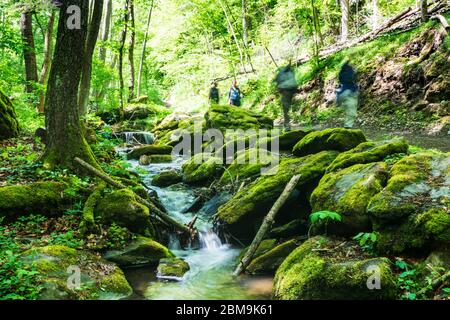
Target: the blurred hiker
(287, 87)
(214, 94)
(234, 97)
(347, 94)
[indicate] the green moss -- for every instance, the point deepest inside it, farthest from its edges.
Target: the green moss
(167, 178)
(229, 117)
(329, 139)
(368, 152)
(293, 228)
(44, 198)
(197, 170)
(115, 284)
(9, 126)
(265, 246)
(243, 213)
(157, 158)
(149, 150)
(88, 224)
(172, 267)
(348, 193)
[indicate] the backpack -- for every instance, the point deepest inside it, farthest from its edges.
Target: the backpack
(235, 94)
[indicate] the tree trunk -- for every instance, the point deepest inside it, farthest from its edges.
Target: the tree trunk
(48, 50)
(123, 38)
(106, 29)
(244, 23)
(29, 53)
(345, 16)
(65, 139)
(131, 52)
(92, 36)
(144, 48)
(424, 10)
(375, 15)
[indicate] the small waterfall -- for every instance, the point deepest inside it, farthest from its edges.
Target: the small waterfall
(210, 240)
(142, 137)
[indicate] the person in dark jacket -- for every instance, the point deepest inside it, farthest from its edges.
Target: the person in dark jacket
(347, 94)
(234, 96)
(287, 87)
(214, 94)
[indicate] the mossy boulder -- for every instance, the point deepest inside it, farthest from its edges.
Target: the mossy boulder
(175, 127)
(348, 192)
(155, 158)
(331, 269)
(265, 246)
(243, 213)
(9, 126)
(122, 208)
(411, 212)
(367, 152)
(58, 265)
(167, 178)
(268, 262)
(248, 164)
(43, 198)
(202, 169)
(338, 139)
(140, 252)
(286, 140)
(149, 150)
(230, 117)
(138, 111)
(293, 228)
(172, 268)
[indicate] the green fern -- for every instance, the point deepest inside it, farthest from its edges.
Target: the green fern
(325, 216)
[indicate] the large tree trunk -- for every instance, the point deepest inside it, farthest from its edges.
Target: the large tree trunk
(131, 52)
(345, 17)
(93, 31)
(144, 48)
(29, 53)
(65, 139)
(48, 51)
(106, 29)
(424, 10)
(123, 38)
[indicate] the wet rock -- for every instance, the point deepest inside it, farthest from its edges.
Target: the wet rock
(242, 215)
(411, 212)
(9, 126)
(329, 139)
(212, 205)
(175, 127)
(167, 178)
(230, 117)
(348, 193)
(99, 279)
(368, 152)
(293, 228)
(160, 158)
(141, 252)
(172, 268)
(202, 169)
(330, 269)
(122, 208)
(149, 150)
(44, 198)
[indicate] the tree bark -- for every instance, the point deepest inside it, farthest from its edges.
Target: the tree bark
(92, 36)
(144, 49)
(266, 225)
(131, 52)
(424, 10)
(345, 17)
(29, 52)
(244, 23)
(375, 15)
(48, 51)
(106, 29)
(65, 139)
(123, 38)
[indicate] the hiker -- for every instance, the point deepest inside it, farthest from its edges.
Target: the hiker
(347, 94)
(234, 97)
(287, 87)
(214, 93)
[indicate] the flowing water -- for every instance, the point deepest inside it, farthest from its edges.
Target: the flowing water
(211, 265)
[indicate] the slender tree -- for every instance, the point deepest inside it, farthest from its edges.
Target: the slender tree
(123, 38)
(65, 139)
(424, 10)
(131, 52)
(345, 17)
(106, 29)
(29, 53)
(375, 15)
(144, 49)
(244, 23)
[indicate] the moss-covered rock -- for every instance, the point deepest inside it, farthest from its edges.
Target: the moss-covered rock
(58, 267)
(330, 269)
(368, 152)
(167, 178)
(293, 228)
(243, 213)
(172, 268)
(268, 262)
(139, 111)
(43, 198)
(9, 126)
(412, 211)
(177, 126)
(265, 246)
(248, 164)
(230, 117)
(338, 139)
(348, 193)
(202, 169)
(141, 251)
(155, 158)
(286, 140)
(149, 150)
(122, 208)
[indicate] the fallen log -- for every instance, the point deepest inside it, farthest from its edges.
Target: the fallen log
(87, 225)
(266, 225)
(164, 217)
(443, 22)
